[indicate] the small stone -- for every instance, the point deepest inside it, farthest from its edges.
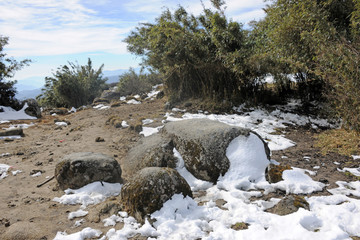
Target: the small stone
(273, 173)
(99, 139)
(324, 180)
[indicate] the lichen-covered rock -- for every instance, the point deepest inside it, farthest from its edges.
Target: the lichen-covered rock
(290, 204)
(79, 169)
(33, 108)
(202, 143)
(273, 173)
(152, 151)
(150, 188)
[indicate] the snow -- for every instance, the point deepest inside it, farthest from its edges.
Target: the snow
(151, 95)
(78, 213)
(72, 110)
(147, 121)
(16, 126)
(92, 193)
(3, 170)
(124, 124)
(62, 124)
(11, 114)
(101, 107)
(354, 171)
(133, 101)
(11, 137)
(148, 131)
(86, 233)
(38, 174)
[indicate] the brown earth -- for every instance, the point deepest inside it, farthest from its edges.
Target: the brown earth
(25, 206)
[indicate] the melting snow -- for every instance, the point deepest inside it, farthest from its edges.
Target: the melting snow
(11, 114)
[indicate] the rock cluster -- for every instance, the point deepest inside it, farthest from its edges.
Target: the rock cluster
(151, 164)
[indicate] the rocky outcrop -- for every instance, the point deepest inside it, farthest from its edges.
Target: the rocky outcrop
(33, 108)
(202, 143)
(290, 204)
(79, 169)
(152, 151)
(150, 188)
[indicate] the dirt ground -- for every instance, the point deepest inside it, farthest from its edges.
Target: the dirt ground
(28, 212)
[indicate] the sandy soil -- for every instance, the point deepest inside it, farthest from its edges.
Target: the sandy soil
(28, 212)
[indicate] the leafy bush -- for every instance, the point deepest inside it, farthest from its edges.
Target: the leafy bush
(72, 86)
(131, 83)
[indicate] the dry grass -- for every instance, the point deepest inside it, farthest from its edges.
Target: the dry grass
(340, 141)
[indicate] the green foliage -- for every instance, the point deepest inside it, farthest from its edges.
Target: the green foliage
(131, 83)
(8, 67)
(201, 57)
(72, 86)
(318, 41)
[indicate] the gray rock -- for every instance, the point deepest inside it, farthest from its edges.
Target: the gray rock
(110, 95)
(33, 108)
(101, 100)
(23, 230)
(12, 132)
(79, 169)
(202, 143)
(150, 188)
(152, 151)
(290, 204)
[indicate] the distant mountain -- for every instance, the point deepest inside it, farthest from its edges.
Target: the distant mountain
(113, 79)
(25, 94)
(114, 72)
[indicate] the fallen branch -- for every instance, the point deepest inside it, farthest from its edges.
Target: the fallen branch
(48, 180)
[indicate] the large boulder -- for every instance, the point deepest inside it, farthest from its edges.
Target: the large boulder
(33, 108)
(79, 169)
(202, 143)
(150, 188)
(110, 95)
(153, 151)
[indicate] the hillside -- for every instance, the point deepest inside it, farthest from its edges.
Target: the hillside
(28, 211)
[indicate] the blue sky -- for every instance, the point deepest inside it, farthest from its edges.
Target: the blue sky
(53, 32)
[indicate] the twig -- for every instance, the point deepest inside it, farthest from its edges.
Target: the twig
(48, 180)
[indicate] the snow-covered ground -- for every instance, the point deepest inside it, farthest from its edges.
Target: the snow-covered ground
(336, 216)
(330, 217)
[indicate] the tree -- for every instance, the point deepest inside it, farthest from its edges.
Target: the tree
(201, 57)
(72, 86)
(8, 67)
(319, 42)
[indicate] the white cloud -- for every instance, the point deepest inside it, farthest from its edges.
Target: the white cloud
(38, 28)
(249, 16)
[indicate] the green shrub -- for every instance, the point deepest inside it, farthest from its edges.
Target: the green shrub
(131, 83)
